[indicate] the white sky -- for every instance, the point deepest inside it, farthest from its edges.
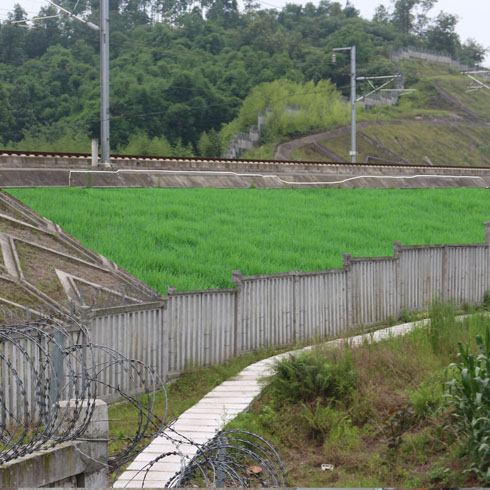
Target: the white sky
(474, 15)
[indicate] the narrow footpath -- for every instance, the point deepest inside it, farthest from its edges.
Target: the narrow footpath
(201, 422)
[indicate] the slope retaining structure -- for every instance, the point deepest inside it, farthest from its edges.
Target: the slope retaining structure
(74, 170)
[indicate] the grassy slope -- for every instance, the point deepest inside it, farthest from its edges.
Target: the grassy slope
(415, 143)
(194, 238)
(442, 145)
(348, 432)
(477, 102)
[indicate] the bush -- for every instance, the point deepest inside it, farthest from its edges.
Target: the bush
(468, 392)
(486, 300)
(309, 376)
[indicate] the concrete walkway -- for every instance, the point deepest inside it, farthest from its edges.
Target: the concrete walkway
(201, 422)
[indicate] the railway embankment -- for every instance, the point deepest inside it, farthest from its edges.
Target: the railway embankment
(21, 169)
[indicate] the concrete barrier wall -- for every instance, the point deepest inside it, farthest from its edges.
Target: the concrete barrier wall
(72, 464)
(427, 55)
(136, 331)
(207, 327)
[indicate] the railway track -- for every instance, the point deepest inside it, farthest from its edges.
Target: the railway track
(66, 169)
(210, 161)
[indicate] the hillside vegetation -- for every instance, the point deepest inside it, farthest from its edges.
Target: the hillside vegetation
(181, 70)
(441, 123)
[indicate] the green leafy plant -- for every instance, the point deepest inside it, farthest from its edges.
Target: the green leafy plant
(309, 376)
(468, 392)
(427, 399)
(405, 316)
(397, 421)
(321, 420)
(486, 300)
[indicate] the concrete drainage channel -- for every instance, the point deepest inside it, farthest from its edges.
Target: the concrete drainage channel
(221, 405)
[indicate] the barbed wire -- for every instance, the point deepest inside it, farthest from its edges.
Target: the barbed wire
(33, 357)
(52, 360)
(233, 458)
(51, 375)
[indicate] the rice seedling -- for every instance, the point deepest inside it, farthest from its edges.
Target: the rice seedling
(194, 238)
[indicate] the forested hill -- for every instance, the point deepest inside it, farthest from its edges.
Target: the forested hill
(180, 68)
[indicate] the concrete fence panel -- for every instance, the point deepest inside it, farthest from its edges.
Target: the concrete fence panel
(201, 328)
(374, 290)
(136, 331)
(266, 311)
(321, 304)
(420, 277)
(466, 274)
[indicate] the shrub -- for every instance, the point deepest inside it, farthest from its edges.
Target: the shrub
(397, 421)
(468, 392)
(486, 300)
(427, 399)
(308, 376)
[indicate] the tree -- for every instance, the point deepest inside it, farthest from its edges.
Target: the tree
(411, 15)
(6, 118)
(382, 14)
(442, 35)
(350, 10)
(471, 52)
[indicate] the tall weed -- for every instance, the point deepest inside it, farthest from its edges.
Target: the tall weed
(468, 392)
(442, 324)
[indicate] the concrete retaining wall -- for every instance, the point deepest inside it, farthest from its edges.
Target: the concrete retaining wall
(234, 174)
(427, 55)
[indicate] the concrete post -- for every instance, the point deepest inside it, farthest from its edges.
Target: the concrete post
(95, 152)
(353, 77)
(296, 317)
(347, 266)
(487, 242)
(104, 84)
(57, 356)
(236, 279)
(397, 248)
(487, 232)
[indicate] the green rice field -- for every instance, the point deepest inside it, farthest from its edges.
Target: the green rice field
(194, 238)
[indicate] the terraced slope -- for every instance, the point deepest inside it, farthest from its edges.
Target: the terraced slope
(444, 124)
(46, 270)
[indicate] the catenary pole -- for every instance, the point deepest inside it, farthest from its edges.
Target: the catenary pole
(104, 74)
(353, 152)
(352, 49)
(104, 83)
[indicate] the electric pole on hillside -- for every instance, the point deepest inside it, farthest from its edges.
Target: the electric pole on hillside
(104, 71)
(479, 84)
(353, 99)
(104, 84)
(352, 49)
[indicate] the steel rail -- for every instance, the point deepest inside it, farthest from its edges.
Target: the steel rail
(202, 160)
